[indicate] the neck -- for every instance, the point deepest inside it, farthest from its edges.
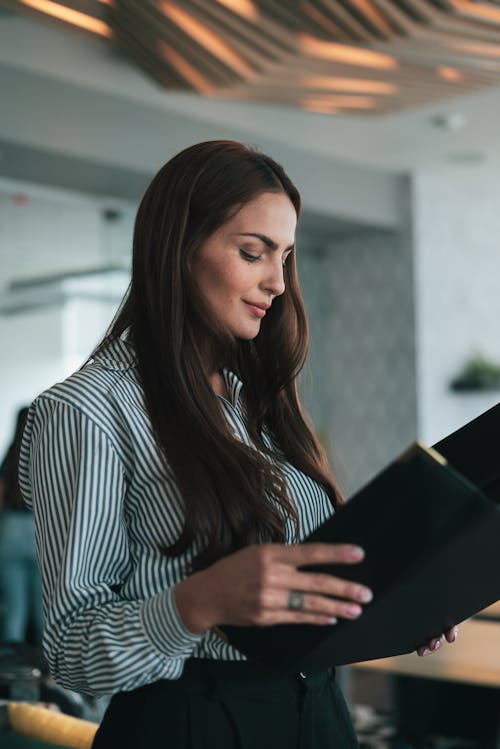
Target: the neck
(215, 352)
(218, 384)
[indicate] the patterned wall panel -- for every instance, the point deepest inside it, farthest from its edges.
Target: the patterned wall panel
(360, 382)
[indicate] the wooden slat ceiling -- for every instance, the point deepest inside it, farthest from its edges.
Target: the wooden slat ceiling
(363, 57)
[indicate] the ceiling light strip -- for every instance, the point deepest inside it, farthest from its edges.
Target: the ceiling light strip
(69, 15)
(187, 71)
(349, 20)
(244, 8)
(148, 25)
(361, 56)
(374, 16)
(476, 49)
(352, 85)
(207, 39)
(349, 102)
(450, 74)
(256, 43)
(326, 24)
(476, 10)
(399, 16)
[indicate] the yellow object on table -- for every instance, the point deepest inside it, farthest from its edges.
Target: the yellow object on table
(46, 725)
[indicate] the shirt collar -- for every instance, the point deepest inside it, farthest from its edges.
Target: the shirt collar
(117, 354)
(233, 386)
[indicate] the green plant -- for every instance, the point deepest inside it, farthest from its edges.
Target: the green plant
(478, 373)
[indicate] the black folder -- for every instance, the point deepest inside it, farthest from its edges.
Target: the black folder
(430, 527)
(474, 450)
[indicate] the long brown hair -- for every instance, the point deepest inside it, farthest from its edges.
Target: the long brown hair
(226, 486)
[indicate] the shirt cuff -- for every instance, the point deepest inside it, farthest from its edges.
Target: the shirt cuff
(164, 627)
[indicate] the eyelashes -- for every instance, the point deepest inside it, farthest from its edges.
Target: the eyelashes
(255, 258)
(248, 257)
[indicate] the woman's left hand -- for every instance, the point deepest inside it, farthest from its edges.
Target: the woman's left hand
(435, 643)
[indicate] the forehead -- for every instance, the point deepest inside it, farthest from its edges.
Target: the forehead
(271, 214)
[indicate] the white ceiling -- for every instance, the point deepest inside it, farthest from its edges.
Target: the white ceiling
(396, 143)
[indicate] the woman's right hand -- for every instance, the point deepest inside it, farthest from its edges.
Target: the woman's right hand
(252, 587)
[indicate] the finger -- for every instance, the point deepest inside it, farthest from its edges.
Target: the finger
(423, 650)
(313, 604)
(430, 647)
(327, 585)
(301, 554)
(332, 607)
(451, 634)
(294, 617)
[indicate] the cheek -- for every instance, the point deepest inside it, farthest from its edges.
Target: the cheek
(221, 281)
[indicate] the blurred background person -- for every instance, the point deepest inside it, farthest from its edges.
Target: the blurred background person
(20, 592)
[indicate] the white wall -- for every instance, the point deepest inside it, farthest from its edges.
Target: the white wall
(31, 346)
(51, 232)
(456, 218)
(44, 231)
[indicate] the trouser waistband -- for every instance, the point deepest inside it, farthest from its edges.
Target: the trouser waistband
(231, 676)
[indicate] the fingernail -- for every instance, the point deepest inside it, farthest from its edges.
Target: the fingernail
(357, 552)
(436, 645)
(365, 595)
(426, 651)
(354, 611)
(332, 620)
(455, 634)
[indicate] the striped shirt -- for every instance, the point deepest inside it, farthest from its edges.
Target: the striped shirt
(104, 503)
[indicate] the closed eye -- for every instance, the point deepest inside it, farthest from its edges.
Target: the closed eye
(248, 257)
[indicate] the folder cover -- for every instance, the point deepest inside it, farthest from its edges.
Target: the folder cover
(432, 542)
(474, 450)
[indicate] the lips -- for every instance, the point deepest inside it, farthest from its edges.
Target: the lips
(258, 308)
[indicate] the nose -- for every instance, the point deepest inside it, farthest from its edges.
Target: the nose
(274, 280)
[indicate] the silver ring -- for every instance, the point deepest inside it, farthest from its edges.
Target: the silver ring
(295, 600)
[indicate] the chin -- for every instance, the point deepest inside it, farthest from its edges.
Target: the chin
(247, 337)
(247, 334)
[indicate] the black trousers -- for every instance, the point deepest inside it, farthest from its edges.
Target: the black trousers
(230, 705)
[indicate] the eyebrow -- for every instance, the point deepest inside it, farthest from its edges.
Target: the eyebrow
(263, 238)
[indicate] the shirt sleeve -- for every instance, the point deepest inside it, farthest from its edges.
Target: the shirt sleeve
(95, 641)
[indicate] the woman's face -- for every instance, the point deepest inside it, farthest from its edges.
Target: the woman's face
(239, 269)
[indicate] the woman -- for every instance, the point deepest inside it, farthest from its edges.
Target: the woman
(174, 475)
